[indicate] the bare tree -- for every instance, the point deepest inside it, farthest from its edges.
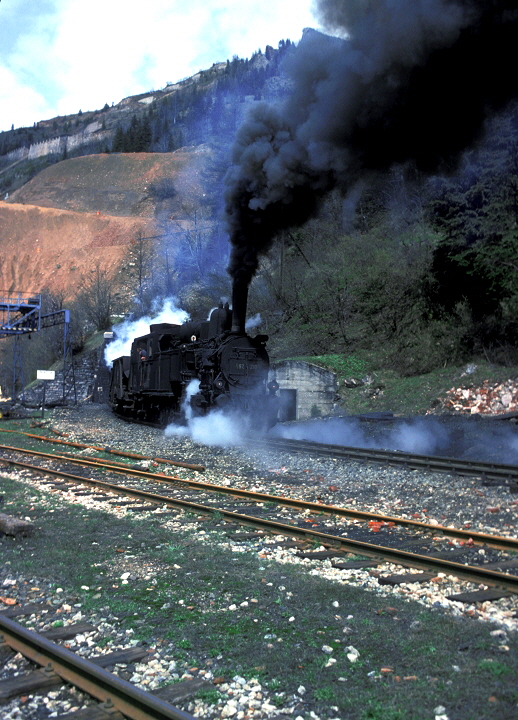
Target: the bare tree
(95, 298)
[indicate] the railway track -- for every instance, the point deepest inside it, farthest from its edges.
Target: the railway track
(251, 496)
(425, 550)
(108, 450)
(280, 597)
(490, 473)
(117, 698)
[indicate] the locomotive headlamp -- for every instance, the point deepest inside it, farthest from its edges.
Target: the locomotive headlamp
(273, 386)
(219, 383)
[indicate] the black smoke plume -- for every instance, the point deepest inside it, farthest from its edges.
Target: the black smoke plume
(399, 80)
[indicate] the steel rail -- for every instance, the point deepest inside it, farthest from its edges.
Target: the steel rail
(89, 462)
(400, 557)
(494, 541)
(436, 463)
(120, 453)
(100, 464)
(116, 693)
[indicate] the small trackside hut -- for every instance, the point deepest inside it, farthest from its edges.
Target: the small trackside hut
(305, 390)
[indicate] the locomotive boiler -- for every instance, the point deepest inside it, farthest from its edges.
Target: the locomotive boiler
(179, 371)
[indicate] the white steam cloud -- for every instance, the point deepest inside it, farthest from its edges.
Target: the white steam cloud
(459, 437)
(128, 330)
(216, 428)
(219, 428)
(253, 322)
(420, 437)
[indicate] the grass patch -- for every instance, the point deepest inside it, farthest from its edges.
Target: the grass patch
(240, 614)
(354, 366)
(495, 668)
(402, 394)
(211, 696)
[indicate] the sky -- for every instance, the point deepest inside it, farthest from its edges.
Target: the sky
(61, 56)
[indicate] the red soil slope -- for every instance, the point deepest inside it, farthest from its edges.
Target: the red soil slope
(87, 211)
(47, 248)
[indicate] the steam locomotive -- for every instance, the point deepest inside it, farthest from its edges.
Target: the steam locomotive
(180, 371)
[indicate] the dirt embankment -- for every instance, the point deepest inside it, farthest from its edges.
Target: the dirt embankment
(87, 212)
(48, 248)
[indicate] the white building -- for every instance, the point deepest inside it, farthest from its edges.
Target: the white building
(305, 390)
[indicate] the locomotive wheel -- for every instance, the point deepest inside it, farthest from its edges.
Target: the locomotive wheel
(164, 417)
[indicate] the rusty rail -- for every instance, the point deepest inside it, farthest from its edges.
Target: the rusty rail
(98, 448)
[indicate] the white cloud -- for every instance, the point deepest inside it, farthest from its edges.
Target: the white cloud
(19, 102)
(75, 55)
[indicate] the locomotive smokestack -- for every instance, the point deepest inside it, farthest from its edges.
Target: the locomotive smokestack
(239, 303)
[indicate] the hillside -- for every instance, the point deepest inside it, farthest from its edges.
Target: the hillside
(87, 212)
(44, 248)
(415, 267)
(121, 184)
(146, 159)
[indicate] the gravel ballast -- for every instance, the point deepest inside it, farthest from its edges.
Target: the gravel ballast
(430, 497)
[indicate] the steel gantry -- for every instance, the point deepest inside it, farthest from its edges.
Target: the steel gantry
(21, 314)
